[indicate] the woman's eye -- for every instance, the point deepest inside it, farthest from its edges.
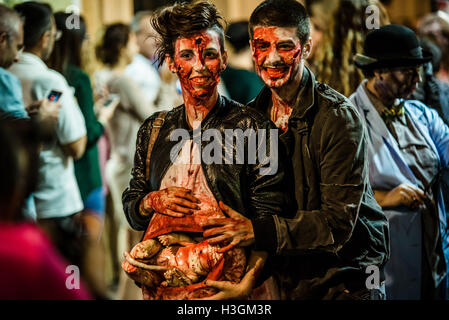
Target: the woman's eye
(262, 46)
(186, 55)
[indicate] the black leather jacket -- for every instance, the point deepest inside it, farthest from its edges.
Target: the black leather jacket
(240, 186)
(339, 229)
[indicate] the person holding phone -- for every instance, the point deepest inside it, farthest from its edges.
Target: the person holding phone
(11, 99)
(57, 198)
(66, 58)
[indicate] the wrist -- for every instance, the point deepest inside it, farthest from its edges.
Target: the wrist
(145, 208)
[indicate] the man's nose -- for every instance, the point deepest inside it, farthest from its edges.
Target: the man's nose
(273, 57)
(417, 76)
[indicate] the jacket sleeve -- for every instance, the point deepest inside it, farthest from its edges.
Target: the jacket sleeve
(138, 187)
(268, 192)
(343, 171)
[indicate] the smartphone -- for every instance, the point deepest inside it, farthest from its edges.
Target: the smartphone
(54, 96)
(111, 98)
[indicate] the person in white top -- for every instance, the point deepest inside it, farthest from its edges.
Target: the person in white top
(142, 69)
(57, 198)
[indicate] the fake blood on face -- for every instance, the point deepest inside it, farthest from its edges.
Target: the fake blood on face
(198, 62)
(277, 54)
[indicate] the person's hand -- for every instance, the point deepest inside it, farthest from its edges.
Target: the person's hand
(45, 109)
(174, 201)
(105, 108)
(236, 291)
(405, 195)
(236, 229)
(101, 92)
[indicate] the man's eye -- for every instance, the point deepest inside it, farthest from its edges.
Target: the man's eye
(210, 54)
(285, 46)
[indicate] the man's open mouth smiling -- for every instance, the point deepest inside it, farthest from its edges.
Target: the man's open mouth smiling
(276, 72)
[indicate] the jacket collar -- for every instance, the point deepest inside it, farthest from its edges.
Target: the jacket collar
(216, 110)
(371, 114)
(304, 102)
(306, 96)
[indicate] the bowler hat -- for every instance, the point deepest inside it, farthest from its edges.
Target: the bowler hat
(391, 46)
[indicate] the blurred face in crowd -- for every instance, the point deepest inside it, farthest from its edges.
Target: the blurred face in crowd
(277, 54)
(131, 48)
(146, 38)
(198, 61)
(317, 34)
(49, 39)
(11, 44)
(396, 83)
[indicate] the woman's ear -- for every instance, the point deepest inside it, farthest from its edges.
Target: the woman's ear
(170, 63)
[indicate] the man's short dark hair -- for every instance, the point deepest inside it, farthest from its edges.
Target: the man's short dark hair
(284, 14)
(37, 20)
(184, 20)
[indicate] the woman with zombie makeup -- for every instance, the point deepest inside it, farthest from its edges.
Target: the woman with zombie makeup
(174, 190)
(409, 145)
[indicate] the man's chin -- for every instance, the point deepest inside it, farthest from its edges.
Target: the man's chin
(275, 82)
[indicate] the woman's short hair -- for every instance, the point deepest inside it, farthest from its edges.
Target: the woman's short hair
(184, 20)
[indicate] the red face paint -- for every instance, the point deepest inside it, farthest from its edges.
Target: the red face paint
(277, 53)
(199, 62)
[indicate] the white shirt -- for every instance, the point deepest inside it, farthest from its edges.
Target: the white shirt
(57, 193)
(142, 71)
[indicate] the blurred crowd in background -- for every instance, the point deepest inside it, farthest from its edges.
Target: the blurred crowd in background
(64, 164)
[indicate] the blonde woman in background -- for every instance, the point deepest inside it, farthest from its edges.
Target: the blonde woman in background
(116, 52)
(340, 33)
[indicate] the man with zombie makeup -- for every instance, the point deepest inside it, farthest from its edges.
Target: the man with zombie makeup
(408, 145)
(338, 229)
(174, 191)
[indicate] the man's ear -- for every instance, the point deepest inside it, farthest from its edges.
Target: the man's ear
(45, 39)
(3, 38)
(307, 48)
(225, 60)
(170, 63)
(251, 47)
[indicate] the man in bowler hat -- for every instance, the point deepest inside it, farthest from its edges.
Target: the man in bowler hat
(408, 146)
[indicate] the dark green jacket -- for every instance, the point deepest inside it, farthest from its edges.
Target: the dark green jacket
(87, 169)
(339, 229)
